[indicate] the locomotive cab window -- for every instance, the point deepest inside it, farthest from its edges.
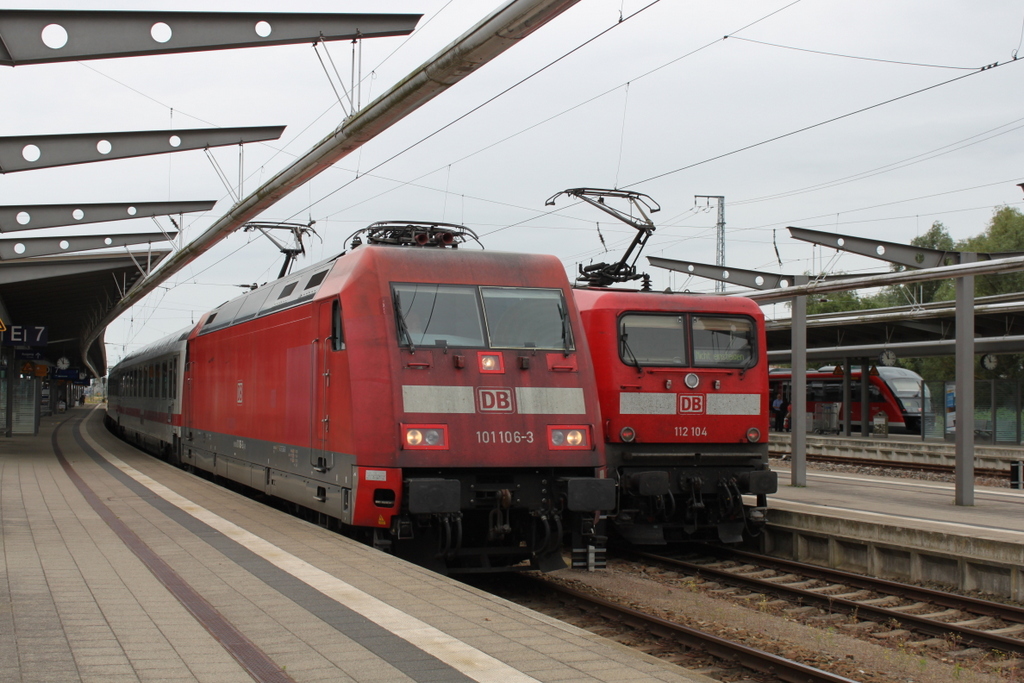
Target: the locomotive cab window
(653, 340)
(523, 318)
(337, 338)
(438, 315)
(723, 342)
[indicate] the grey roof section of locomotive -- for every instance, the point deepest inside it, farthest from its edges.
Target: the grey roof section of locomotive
(292, 290)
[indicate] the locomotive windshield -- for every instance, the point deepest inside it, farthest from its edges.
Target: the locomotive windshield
(723, 342)
(659, 340)
(452, 315)
(519, 318)
(438, 315)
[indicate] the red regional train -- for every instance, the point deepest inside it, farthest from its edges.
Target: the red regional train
(897, 392)
(683, 385)
(436, 402)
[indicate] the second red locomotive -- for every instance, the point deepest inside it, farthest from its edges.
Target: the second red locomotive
(683, 384)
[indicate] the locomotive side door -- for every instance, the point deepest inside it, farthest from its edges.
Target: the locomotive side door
(329, 341)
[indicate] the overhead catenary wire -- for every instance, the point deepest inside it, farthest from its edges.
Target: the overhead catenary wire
(622, 139)
(855, 57)
(819, 124)
(972, 72)
(956, 146)
(559, 114)
(486, 102)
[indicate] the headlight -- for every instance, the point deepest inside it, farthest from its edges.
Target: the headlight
(569, 437)
(628, 434)
(753, 435)
(425, 436)
(491, 362)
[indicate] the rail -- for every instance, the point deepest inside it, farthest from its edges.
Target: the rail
(859, 595)
(750, 658)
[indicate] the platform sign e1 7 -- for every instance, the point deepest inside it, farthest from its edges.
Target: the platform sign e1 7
(24, 335)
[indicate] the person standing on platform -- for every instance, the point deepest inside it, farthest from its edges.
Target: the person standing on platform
(777, 412)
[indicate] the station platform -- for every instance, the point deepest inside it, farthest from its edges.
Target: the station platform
(119, 567)
(901, 528)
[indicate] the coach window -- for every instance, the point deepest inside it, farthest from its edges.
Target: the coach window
(337, 336)
(723, 342)
(653, 340)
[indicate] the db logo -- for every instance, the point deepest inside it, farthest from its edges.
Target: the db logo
(691, 403)
(494, 400)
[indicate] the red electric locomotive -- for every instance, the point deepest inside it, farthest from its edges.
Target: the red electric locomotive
(437, 402)
(683, 385)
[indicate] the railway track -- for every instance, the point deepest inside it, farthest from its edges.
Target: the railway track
(889, 464)
(729, 655)
(886, 608)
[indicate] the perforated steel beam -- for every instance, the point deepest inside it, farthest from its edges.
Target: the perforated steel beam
(738, 276)
(27, 152)
(893, 252)
(43, 36)
(1001, 265)
(17, 217)
(753, 279)
(13, 249)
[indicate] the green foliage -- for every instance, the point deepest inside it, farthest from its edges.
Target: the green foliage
(934, 368)
(937, 237)
(1005, 233)
(834, 302)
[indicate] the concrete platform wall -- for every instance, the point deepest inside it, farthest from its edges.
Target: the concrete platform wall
(890, 552)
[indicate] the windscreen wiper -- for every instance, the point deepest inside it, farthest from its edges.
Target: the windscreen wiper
(625, 347)
(566, 330)
(403, 329)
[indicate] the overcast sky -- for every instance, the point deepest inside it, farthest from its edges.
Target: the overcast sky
(659, 104)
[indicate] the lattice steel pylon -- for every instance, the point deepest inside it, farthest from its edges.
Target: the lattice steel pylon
(719, 236)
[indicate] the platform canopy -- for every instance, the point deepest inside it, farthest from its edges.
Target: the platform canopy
(66, 295)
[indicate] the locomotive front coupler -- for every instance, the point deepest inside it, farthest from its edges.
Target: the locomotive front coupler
(498, 525)
(695, 487)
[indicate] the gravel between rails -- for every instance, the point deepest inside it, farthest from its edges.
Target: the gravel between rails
(831, 644)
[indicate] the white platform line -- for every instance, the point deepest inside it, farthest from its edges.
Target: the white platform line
(462, 657)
